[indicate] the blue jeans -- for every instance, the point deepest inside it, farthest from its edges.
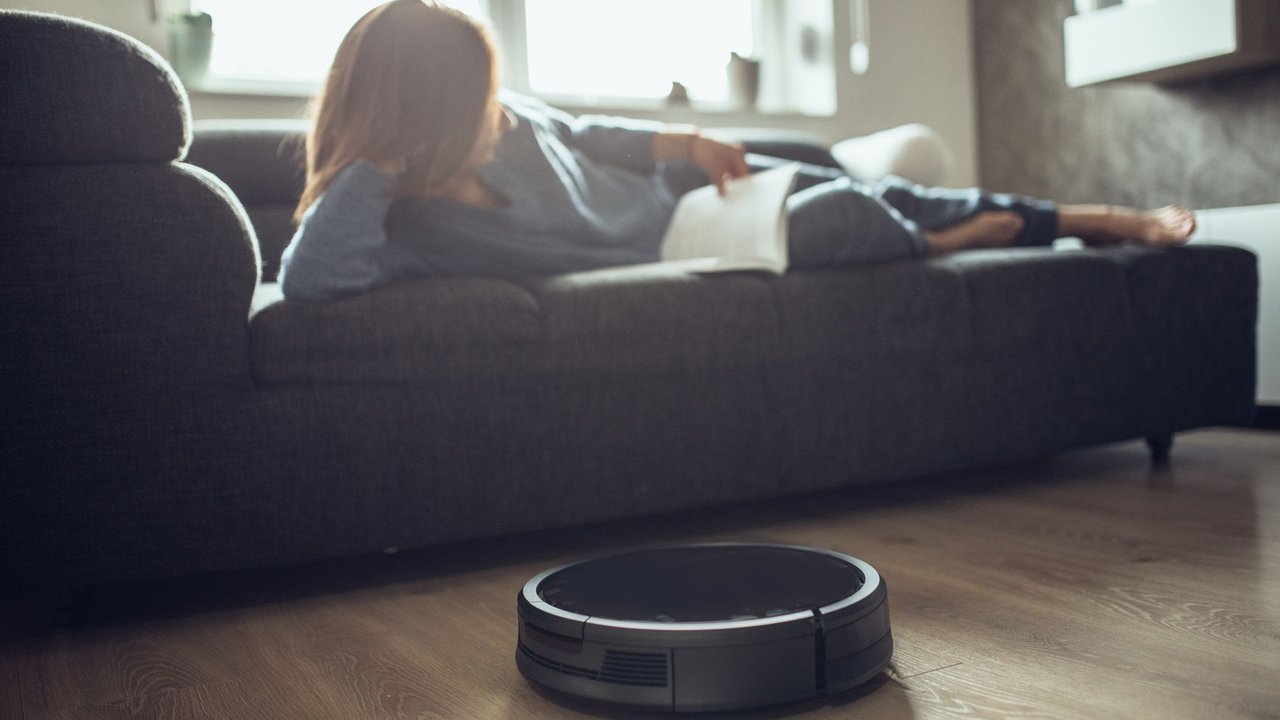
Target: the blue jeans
(835, 220)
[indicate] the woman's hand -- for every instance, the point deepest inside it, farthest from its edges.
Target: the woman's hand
(721, 161)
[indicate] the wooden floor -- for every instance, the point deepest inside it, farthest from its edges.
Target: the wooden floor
(1088, 586)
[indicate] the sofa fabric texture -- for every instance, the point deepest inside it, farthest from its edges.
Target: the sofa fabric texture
(170, 413)
(77, 93)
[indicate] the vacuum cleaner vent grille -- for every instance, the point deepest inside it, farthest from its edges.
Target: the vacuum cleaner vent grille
(621, 668)
(633, 668)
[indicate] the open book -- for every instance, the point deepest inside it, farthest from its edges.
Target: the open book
(746, 229)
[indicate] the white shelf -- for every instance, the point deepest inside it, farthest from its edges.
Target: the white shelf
(1164, 40)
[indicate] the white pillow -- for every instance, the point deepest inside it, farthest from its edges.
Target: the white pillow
(916, 152)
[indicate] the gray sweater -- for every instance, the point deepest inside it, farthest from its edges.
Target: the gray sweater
(582, 193)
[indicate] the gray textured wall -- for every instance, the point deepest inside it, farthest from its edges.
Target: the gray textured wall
(1207, 143)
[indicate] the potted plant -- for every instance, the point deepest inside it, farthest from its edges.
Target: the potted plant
(191, 45)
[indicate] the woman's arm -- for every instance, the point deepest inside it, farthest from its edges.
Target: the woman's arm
(639, 144)
(341, 241)
(721, 161)
(636, 144)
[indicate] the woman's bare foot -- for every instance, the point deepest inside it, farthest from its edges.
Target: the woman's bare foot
(1108, 225)
(984, 230)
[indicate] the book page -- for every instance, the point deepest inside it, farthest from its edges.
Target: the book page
(746, 229)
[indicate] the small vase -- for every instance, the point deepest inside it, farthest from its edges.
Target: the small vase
(744, 81)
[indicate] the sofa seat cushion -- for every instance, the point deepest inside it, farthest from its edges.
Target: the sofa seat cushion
(1036, 316)
(648, 319)
(405, 332)
(1038, 302)
(656, 319)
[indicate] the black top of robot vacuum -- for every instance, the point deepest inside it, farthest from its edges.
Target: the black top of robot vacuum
(704, 583)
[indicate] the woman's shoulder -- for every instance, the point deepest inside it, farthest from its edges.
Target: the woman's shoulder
(363, 173)
(356, 188)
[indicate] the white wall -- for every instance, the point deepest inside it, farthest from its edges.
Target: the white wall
(921, 71)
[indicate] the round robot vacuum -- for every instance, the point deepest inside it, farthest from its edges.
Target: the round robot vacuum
(705, 627)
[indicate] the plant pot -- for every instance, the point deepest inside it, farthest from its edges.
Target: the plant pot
(191, 46)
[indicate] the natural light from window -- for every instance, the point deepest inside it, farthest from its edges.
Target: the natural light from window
(602, 49)
(283, 41)
(587, 49)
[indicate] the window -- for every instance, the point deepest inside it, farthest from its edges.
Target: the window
(266, 42)
(284, 42)
(637, 49)
(570, 51)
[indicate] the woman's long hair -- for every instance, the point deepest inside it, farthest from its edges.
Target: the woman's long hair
(410, 83)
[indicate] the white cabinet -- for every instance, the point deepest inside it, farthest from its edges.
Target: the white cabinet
(1163, 40)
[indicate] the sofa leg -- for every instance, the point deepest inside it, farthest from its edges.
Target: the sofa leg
(1160, 446)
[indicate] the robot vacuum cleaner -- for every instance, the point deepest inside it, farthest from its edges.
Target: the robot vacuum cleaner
(697, 628)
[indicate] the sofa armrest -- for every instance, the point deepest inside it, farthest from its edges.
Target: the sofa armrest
(915, 152)
(125, 368)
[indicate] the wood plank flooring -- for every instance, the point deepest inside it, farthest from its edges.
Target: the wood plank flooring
(1086, 586)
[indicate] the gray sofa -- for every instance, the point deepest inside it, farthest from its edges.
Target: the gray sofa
(168, 413)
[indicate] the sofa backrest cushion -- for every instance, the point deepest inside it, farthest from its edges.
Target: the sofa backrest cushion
(264, 164)
(79, 93)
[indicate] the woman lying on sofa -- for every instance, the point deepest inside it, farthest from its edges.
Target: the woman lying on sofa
(418, 166)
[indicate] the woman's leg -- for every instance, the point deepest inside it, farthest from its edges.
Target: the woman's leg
(943, 209)
(1108, 225)
(972, 217)
(835, 220)
(840, 223)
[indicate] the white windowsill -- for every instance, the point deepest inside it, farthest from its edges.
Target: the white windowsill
(251, 88)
